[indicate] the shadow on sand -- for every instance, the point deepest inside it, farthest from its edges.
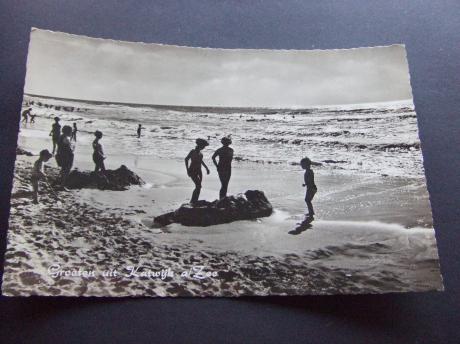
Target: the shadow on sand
(302, 226)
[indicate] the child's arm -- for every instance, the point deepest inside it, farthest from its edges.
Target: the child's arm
(216, 153)
(187, 158)
(206, 167)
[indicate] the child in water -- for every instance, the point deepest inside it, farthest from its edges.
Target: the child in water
(25, 115)
(139, 130)
(309, 178)
(224, 166)
(74, 133)
(38, 172)
(194, 170)
(98, 153)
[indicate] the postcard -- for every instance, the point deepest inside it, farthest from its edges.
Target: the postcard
(160, 170)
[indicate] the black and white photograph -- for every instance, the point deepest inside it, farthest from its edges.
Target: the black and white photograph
(159, 170)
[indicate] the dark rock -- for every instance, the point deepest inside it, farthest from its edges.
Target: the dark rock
(250, 205)
(116, 180)
(20, 151)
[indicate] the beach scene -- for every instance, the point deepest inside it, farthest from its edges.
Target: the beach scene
(132, 228)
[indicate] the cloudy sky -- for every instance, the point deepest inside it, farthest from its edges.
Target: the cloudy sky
(71, 66)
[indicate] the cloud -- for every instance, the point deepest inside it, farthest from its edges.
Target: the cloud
(71, 66)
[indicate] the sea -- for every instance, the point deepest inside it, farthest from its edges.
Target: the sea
(379, 138)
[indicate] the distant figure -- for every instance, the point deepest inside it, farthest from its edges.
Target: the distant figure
(65, 155)
(38, 172)
(74, 132)
(25, 115)
(55, 133)
(32, 118)
(98, 153)
(139, 130)
(224, 166)
(194, 170)
(309, 178)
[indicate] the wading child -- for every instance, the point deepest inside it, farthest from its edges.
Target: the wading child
(224, 165)
(38, 172)
(74, 133)
(25, 115)
(309, 178)
(194, 170)
(139, 130)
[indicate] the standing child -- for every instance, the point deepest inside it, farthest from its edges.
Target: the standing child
(38, 172)
(224, 165)
(55, 133)
(64, 156)
(139, 130)
(74, 133)
(194, 170)
(309, 178)
(98, 153)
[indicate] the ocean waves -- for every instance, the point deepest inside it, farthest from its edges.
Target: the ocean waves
(382, 139)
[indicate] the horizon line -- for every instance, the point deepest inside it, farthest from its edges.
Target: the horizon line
(215, 106)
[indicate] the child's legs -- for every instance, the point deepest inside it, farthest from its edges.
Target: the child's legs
(196, 178)
(35, 189)
(224, 177)
(308, 198)
(54, 144)
(65, 169)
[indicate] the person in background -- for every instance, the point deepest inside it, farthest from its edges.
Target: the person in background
(74, 132)
(98, 153)
(25, 115)
(55, 133)
(194, 169)
(139, 130)
(224, 165)
(38, 172)
(65, 155)
(309, 179)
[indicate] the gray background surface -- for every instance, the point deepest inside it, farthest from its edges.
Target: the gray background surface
(430, 30)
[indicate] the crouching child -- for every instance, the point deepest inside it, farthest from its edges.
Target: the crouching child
(38, 173)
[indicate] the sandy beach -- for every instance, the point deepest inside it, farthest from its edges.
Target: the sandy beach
(372, 234)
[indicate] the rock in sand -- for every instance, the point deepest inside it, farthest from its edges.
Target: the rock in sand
(116, 180)
(251, 205)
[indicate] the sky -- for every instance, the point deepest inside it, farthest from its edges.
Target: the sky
(78, 67)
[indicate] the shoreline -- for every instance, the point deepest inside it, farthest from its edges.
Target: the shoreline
(341, 196)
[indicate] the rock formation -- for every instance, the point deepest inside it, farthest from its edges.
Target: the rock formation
(116, 180)
(250, 205)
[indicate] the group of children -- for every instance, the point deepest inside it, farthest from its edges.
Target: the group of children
(222, 159)
(63, 150)
(223, 165)
(64, 139)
